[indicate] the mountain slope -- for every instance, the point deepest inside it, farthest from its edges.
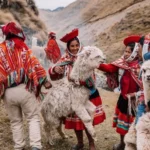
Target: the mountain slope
(102, 23)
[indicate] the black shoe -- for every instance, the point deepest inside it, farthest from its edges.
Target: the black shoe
(34, 148)
(77, 147)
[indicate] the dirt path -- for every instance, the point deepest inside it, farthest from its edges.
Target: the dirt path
(105, 133)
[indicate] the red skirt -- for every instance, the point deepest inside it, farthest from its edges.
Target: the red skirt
(73, 122)
(121, 120)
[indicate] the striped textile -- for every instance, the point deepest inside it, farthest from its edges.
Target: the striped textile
(18, 65)
(74, 122)
(132, 67)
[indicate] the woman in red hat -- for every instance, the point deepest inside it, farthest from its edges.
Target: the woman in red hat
(127, 68)
(63, 68)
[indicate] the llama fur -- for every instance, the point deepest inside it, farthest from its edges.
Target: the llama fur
(67, 97)
(130, 138)
(139, 135)
(143, 132)
(146, 80)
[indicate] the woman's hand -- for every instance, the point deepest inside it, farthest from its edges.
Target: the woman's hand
(59, 69)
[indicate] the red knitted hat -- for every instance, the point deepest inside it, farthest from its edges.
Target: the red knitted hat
(52, 34)
(131, 39)
(70, 36)
(11, 27)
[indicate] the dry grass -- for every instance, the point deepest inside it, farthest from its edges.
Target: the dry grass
(105, 133)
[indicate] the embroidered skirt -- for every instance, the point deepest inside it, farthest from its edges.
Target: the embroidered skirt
(73, 122)
(121, 119)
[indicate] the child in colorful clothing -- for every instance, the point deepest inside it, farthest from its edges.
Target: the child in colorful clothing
(52, 50)
(63, 68)
(18, 66)
(142, 107)
(128, 69)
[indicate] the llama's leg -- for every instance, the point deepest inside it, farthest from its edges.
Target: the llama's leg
(85, 117)
(90, 107)
(60, 131)
(48, 133)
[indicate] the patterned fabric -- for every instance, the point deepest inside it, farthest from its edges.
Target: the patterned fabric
(18, 65)
(112, 80)
(73, 122)
(121, 119)
(133, 67)
(52, 51)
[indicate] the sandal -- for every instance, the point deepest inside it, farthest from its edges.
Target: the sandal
(77, 147)
(119, 146)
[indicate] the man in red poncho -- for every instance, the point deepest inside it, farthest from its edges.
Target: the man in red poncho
(52, 50)
(19, 68)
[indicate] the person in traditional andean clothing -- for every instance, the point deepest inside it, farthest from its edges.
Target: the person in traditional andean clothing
(127, 69)
(52, 50)
(18, 66)
(63, 68)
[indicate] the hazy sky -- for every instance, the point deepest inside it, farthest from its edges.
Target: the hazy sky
(52, 4)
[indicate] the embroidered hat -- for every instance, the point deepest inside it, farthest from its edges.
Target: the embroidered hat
(131, 39)
(52, 34)
(70, 36)
(12, 28)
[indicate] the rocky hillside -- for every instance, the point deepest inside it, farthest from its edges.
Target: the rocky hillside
(102, 23)
(25, 13)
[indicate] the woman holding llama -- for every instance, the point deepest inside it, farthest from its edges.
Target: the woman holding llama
(127, 68)
(63, 68)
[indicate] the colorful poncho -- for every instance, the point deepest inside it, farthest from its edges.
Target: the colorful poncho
(52, 51)
(18, 65)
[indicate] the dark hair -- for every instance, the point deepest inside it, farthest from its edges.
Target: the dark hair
(131, 45)
(10, 35)
(141, 41)
(68, 43)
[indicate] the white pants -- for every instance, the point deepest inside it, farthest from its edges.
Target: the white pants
(19, 101)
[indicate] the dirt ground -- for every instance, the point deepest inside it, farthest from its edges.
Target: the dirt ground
(106, 135)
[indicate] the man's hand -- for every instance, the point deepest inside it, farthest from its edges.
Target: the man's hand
(47, 84)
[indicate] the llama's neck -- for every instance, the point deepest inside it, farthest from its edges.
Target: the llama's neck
(81, 73)
(146, 86)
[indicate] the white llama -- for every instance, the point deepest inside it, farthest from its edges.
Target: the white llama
(138, 137)
(143, 125)
(146, 80)
(67, 97)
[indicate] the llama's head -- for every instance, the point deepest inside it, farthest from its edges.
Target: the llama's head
(146, 71)
(92, 56)
(88, 59)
